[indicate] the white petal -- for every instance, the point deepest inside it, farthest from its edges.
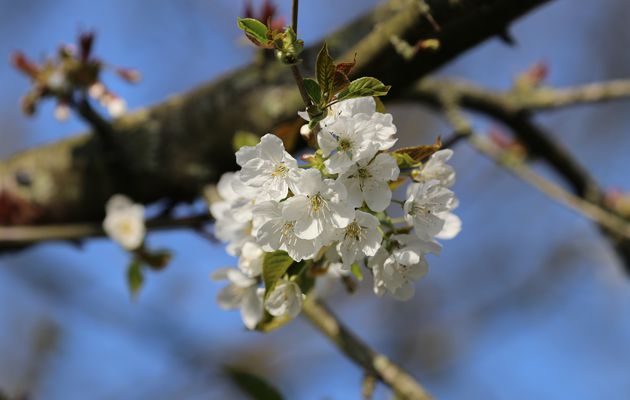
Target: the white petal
(251, 308)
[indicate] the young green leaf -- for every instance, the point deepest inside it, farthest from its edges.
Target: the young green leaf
(313, 90)
(255, 30)
(275, 265)
(135, 277)
(363, 87)
(244, 138)
(255, 387)
(356, 271)
(325, 72)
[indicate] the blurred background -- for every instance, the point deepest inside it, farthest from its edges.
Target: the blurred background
(528, 302)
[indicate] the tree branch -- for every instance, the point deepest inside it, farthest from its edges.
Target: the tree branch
(375, 364)
(451, 95)
(15, 237)
(177, 147)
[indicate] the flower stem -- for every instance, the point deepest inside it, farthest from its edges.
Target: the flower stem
(374, 363)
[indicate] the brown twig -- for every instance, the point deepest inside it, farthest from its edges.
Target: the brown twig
(18, 236)
(375, 364)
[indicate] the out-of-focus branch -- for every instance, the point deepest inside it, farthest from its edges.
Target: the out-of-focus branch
(15, 237)
(520, 169)
(451, 95)
(541, 98)
(373, 363)
(175, 148)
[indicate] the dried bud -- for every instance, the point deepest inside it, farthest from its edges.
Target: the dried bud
(19, 60)
(86, 41)
(128, 74)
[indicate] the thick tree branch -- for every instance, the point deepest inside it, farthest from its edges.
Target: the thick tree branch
(173, 149)
(373, 363)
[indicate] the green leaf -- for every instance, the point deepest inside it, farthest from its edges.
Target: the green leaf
(313, 90)
(244, 138)
(325, 72)
(275, 265)
(404, 160)
(135, 277)
(363, 87)
(255, 387)
(255, 30)
(356, 271)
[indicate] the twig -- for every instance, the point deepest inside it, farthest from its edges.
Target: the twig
(521, 170)
(403, 384)
(17, 236)
(294, 16)
(451, 96)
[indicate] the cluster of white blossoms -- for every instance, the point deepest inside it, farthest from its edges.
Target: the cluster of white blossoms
(333, 212)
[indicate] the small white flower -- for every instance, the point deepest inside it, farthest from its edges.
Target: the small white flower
(250, 261)
(233, 214)
(269, 168)
(436, 168)
(424, 207)
(62, 112)
(367, 181)
(242, 292)
(346, 140)
(360, 238)
(285, 299)
(384, 130)
(124, 222)
(278, 231)
(396, 272)
(116, 106)
(318, 207)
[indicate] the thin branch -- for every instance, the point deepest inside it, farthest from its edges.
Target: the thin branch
(294, 16)
(18, 236)
(534, 99)
(375, 364)
(450, 96)
(521, 170)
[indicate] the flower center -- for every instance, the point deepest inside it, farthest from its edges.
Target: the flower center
(353, 232)
(281, 170)
(419, 209)
(363, 173)
(345, 145)
(317, 202)
(287, 228)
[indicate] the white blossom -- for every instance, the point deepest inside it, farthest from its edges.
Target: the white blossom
(367, 181)
(318, 207)
(268, 167)
(359, 239)
(242, 293)
(250, 262)
(124, 222)
(285, 299)
(396, 272)
(278, 231)
(436, 168)
(346, 140)
(233, 214)
(425, 204)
